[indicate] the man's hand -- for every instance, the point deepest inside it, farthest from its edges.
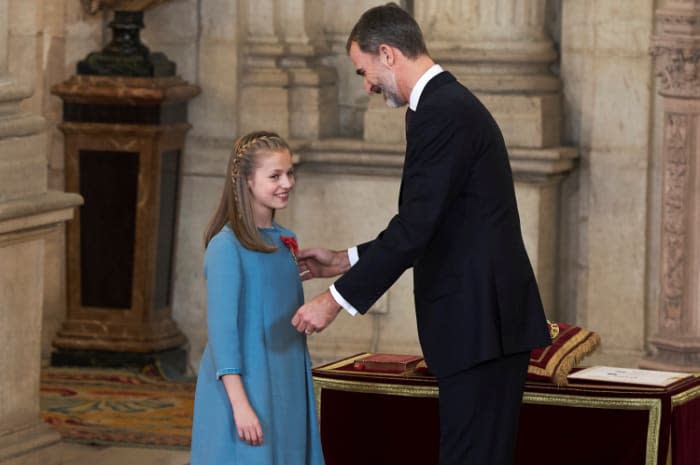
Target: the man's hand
(322, 263)
(316, 314)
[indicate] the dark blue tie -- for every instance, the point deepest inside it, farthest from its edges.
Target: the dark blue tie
(409, 115)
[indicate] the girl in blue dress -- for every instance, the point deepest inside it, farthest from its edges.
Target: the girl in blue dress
(254, 402)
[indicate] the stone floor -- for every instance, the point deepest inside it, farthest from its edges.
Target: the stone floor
(77, 454)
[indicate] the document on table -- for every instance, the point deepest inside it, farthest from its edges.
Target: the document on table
(629, 376)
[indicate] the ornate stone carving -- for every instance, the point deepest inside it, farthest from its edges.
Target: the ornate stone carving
(676, 50)
(673, 262)
(678, 70)
(482, 19)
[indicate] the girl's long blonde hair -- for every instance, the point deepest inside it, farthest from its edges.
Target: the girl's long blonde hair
(235, 205)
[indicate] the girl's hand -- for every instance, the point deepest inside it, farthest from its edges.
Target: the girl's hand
(247, 424)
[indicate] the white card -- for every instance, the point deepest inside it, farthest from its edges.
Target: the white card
(629, 375)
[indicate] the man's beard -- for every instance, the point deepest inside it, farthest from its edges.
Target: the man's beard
(392, 99)
(390, 94)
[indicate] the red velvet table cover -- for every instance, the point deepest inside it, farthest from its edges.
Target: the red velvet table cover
(381, 418)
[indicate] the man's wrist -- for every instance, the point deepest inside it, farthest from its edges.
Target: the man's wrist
(342, 260)
(340, 301)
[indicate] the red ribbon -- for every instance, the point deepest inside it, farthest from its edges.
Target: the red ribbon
(291, 244)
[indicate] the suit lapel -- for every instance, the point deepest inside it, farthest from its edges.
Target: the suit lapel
(435, 83)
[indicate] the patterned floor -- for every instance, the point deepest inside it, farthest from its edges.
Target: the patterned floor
(117, 407)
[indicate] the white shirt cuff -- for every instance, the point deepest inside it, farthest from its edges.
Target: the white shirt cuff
(353, 255)
(342, 302)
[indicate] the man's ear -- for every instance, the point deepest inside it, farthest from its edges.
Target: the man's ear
(387, 55)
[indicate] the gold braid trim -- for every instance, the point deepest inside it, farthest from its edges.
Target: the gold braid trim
(568, 356)
(687, 396)
(653, 406)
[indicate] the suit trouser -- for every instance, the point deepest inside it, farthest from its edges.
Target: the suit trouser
(479, 411)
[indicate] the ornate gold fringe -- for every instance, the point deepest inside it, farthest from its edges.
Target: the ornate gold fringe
(574, 357)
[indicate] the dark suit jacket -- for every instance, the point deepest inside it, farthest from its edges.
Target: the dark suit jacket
(475, 292)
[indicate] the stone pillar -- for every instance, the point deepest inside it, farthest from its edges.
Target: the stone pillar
(676, 47)
(500, 50)
(28, 212)
(338, 18)
(312, 91)
(264, 102)
(4, 10)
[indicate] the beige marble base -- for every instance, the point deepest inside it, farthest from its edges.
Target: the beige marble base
(35, 444)
(673, 354)
(24, 224)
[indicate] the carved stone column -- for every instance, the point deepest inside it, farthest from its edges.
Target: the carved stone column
(312, 90)
(28, 213)
(676, 47)
(500, 50)
(4, 7)
(264, 98)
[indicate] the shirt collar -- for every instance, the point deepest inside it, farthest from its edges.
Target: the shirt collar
(420, 85)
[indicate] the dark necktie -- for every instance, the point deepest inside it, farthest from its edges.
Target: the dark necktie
(409, 115)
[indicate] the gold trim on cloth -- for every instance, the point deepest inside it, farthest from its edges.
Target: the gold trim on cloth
(616, 403)
(564, 358)
(651, 405)
(377, 388)
(369, 388)
(686, 396)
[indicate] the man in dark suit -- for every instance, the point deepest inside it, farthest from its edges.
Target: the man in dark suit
(478, 308)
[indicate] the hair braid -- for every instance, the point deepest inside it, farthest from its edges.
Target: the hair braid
(235, 207)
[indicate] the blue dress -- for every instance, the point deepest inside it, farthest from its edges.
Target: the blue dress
(251, 298)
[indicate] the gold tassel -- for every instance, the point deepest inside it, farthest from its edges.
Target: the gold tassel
(572, 359)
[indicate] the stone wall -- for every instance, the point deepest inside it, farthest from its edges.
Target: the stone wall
(31, 216)
(608, 103)
(570, 82)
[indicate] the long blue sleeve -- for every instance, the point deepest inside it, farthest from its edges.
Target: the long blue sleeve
(224, 276)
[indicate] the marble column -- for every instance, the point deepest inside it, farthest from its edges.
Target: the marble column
(264, 100)
(676, 47)
(28, 213)
(312, 92)
(500, 50)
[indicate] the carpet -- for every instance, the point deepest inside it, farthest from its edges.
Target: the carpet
(116, 406)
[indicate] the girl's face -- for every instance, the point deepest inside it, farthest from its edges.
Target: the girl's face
(270, 185)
